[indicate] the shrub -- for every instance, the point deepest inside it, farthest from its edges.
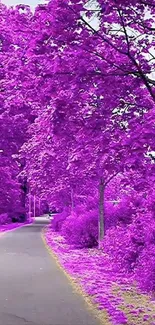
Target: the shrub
(120, 247)
(119, 214)
(132, 249)
(81, 231)
(145, 270)
(57, 222)
(4, 219)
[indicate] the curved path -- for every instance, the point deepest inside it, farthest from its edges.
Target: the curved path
(33, 290)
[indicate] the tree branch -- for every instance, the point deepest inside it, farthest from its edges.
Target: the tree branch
(110, 178)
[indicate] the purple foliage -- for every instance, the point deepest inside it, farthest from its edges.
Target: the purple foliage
(77, 111)
(4, 219)
(132, 249)
(81, 230)
(58, 220)
(145, 270)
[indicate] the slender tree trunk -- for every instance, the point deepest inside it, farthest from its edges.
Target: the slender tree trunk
(34, 206)
(101, 219)
(72, 201)
(24, 191)
(101, 222)
(39, 206)
(29, 206)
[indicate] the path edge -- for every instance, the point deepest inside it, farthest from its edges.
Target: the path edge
(11, 230)
(74, 284)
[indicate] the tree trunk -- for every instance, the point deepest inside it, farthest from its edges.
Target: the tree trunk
(72, 201)
(24, 191)
(101, 223)
(29, 214)
(34, 206)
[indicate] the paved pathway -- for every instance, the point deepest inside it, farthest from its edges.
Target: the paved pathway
(33, 291)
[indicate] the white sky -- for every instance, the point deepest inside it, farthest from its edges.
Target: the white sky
(32, 3)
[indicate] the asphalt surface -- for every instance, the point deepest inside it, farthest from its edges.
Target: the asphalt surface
(33, 290)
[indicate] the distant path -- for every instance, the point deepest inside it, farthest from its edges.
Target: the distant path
(33, 290)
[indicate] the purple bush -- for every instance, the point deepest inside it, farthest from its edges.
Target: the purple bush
(145, 270)
(81, 231)
(121, 213)
(59, 219)
(4, 219)
(119, 245)
(132, 249)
